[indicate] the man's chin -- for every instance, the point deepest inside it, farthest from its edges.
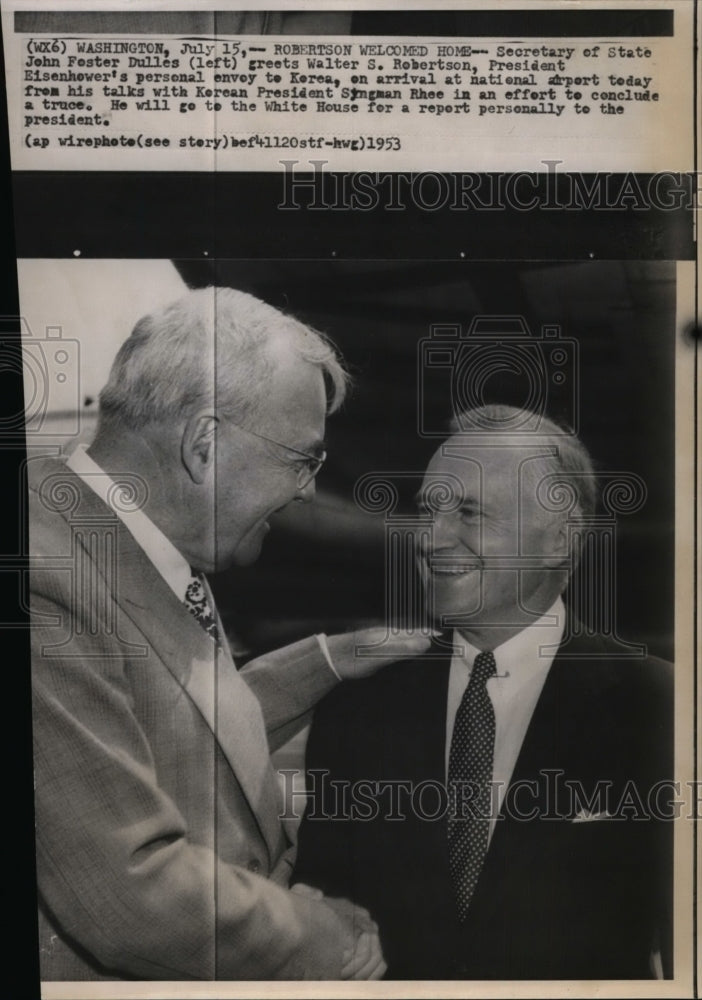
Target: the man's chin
(248, 550)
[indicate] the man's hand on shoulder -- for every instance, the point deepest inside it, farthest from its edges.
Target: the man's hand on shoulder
(363, 652)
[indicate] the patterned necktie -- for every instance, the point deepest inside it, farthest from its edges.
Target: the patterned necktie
(470, 778)
(198, 604)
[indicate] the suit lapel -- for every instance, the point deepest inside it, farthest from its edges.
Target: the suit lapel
(419, 707)
(573, 686)
(553, 742)
(209, 676)
(207, 673)
(234, 715)
(414, 749)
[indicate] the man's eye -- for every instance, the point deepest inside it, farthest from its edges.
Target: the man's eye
(469, 513)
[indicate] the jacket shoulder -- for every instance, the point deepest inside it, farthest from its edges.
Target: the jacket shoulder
(390, 685)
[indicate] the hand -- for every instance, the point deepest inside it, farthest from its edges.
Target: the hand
(363, 956)
(365, 960)
(388, 649)
(302, 889)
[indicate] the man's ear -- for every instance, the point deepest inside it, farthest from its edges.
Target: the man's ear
(557, 547)
(198, 445)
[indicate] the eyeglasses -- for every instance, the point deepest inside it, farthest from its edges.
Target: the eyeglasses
(307, 471)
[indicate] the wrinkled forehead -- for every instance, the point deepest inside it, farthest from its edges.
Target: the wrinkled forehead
(494, 467)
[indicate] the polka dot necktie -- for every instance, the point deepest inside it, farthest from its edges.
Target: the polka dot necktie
(198, 604)
(470, 778)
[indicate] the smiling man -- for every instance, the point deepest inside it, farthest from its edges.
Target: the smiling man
(160, 852)
(475, 565)
(501, 810)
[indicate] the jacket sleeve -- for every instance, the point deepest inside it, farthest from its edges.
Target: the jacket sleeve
(325, 854)
(288, 683)
(116, 868)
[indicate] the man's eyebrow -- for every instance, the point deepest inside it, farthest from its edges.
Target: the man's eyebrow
(420, 500)
(316, 448)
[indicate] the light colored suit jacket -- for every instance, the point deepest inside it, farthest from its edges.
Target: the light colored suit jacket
(160, 854)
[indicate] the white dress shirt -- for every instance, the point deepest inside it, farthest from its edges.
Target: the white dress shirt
(522, 665)
(174, 569)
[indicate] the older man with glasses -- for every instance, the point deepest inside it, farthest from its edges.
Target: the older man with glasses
(160, 851)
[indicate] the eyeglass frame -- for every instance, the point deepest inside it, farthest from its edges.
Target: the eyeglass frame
(302, 483)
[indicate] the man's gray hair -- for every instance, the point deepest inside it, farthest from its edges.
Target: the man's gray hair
(210, 348)
(571, 461)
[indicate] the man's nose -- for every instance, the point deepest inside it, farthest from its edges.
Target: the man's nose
(306, 494)
(443, 534)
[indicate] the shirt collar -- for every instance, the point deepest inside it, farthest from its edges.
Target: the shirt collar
(163, 554)
(530, 651)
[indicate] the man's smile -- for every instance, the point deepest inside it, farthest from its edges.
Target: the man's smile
(452, 565)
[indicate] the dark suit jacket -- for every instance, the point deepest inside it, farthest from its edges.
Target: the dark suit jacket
(556, 898)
